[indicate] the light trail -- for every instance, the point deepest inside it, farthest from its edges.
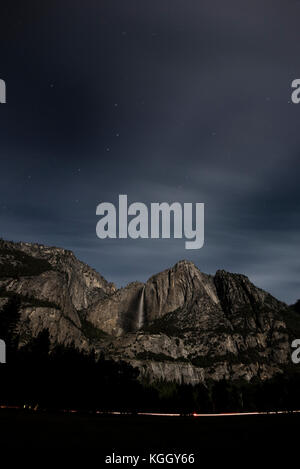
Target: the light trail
(159, 414)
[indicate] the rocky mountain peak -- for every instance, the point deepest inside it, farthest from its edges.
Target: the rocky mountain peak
(181, 324)
(236, 291)
(185, 264)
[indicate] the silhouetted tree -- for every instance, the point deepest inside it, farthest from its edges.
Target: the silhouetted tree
(9, 320)
(297, 306)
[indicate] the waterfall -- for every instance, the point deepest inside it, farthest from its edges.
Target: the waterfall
(140, 311)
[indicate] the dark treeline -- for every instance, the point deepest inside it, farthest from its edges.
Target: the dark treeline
(65, 378)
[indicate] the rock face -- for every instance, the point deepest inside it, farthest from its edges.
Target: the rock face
(180, 325)
(117, 313)
(54, 287)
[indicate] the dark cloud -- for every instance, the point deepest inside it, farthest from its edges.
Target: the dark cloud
(163, 101)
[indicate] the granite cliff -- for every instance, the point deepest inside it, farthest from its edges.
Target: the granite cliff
(180, 325)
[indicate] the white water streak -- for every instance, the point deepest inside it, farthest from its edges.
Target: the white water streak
(140, 312)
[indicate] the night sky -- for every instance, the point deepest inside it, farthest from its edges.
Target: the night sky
(186, 101)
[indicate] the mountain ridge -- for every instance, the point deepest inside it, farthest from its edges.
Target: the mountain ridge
(180, 325)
